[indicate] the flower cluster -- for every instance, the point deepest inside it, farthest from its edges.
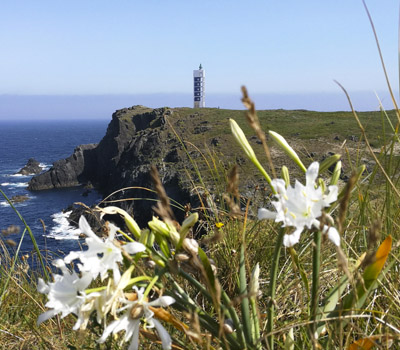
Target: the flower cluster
(68, 293)
(301, 206)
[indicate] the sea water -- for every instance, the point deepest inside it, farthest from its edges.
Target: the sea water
(47, 142)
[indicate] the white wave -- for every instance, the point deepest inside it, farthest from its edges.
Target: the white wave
(19, 184)
(62, 229)
(14, 184)
(18, 175)
(16, 204)
(44, 166)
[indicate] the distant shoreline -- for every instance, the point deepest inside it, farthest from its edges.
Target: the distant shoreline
(102, 106)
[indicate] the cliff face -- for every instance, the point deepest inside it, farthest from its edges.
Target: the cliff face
(136, 138)
(69, 172)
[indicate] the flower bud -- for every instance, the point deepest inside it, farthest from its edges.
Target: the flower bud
(228, 326)
(241, 139)
(159, 227)
(129, 221)
(187, 224)
(254, 283)
(328, 162)
(289, 150)
(191, 246)
(336, 173)
(150, 264)
(285, 175)
(181, 257)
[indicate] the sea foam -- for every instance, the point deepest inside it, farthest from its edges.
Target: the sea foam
(62, 228)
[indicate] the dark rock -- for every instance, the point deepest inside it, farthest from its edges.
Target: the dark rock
(31, 168)
(337, 138)
(92, 217)
(69, 172)
(201, 129)
(86, 193)
(172, 156)
(19, 198)
(352, 138)
(311, 155)
(215, 141)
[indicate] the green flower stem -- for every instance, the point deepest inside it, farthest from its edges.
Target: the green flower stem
(247, 326)
(264, 173)
(235, 319)
(196, 284)
(150, 286)
(315, 281)
(132, 281)
(256, 323)
(272, 289)
(126, 236)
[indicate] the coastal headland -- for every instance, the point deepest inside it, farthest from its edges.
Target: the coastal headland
(183, 143)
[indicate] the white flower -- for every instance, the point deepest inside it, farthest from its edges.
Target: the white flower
(135, 312)
(102, 255)
(65, 295)
(300, 206)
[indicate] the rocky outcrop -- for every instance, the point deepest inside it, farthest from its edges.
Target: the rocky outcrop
(31, 168)
(136, 138)
(72, 171)
(19, 198)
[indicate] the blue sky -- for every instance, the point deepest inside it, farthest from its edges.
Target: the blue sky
(287, 53)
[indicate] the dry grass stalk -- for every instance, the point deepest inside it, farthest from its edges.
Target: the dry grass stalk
(163, 208)
(345, 201)
(368, 144)
(253, 121)
(232, 197)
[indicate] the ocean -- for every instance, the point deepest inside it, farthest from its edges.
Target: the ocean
(46, 141)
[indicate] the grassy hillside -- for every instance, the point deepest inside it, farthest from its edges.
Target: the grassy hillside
(298, 291)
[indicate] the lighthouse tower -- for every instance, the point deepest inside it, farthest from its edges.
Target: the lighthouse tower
(199, 85)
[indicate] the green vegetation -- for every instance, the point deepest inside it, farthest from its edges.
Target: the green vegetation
(338, 293)
(316, 268)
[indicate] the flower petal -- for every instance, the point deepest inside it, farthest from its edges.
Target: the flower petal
(266, 214)
(134, 247)
(312, 173)
(333, 235)
(163, 334)
(85, 228)
(42, 287)
(45, 316)
(293, 238)
(162, 301)
(134, 345)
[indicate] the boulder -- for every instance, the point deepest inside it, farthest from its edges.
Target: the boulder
(31, 168)
(19, 198)
(69, 172)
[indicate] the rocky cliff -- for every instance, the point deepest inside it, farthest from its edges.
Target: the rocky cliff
(136, 138)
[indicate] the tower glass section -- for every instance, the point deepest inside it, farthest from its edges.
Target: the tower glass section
(199, 88)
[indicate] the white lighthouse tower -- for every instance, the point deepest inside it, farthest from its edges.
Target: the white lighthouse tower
(199, 85)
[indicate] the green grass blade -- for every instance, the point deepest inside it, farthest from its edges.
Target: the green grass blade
(46, 275)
